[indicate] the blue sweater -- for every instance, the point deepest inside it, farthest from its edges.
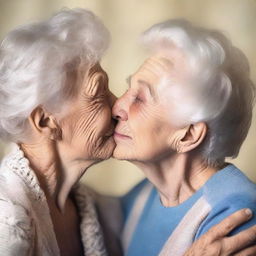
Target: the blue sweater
(224, 193)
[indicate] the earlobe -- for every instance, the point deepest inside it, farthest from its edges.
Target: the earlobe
(193, 137)
(44, 124)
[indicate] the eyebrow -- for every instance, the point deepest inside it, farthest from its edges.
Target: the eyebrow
(143, 83)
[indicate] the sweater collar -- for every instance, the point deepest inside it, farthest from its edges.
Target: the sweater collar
(91, 234)
(19, 164)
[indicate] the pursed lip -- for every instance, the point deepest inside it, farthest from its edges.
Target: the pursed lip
(118, 135)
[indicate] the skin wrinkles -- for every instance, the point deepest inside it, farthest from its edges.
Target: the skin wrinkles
(159, 145)
(158, 66)
(172, 75)
(156, 72)
(93, 102)
(85, 124)
(74, 157)
(141, 109)
(140, 113)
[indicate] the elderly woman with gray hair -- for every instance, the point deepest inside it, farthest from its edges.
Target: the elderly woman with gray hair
(56, 106)
(187, 108)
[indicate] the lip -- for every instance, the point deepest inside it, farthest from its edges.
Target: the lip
(121, 136)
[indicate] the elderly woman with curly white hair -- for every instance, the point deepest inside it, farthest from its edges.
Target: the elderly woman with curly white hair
(187, 108)
(56, 106)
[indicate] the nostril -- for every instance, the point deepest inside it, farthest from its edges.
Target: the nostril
(120, 115)
(116, 117)
(114, 122)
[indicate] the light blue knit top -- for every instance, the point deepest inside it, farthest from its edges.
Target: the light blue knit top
(224, 193)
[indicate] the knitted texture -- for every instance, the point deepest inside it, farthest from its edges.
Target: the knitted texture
(25, 222)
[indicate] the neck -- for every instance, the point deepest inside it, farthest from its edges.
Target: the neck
(56, 177)
(177, 177)
(71, 174)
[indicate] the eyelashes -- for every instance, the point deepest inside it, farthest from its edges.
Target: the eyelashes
(135, 96)
(138, 99)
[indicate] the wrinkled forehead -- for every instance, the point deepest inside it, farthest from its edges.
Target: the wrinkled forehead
(80, 75)
(97, 68)
(86, 72)
(172, 66)
(156, 66)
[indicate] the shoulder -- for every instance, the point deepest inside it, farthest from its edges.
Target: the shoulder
(229, 183)
(14, 210)
(17, 230)
(15, 216)
(12, 187)
(18, 182)
(227, 192)
(103, 212)
(102, 204)
(12, 214)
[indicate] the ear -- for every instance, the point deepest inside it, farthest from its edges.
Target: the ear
(44, 124)
(193, 137)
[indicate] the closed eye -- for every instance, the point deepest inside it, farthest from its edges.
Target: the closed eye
(138, 99)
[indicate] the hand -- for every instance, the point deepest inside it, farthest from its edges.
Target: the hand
(215, 242)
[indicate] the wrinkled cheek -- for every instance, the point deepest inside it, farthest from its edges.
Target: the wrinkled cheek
(104, 120)
(106, 149)
(97, 145)
(68, 128)
(78, 131)
(92, 142)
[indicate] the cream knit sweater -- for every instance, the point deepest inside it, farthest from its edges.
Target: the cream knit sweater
(25, 223)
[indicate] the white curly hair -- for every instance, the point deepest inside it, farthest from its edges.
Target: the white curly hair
(34, 59)
(222, 95)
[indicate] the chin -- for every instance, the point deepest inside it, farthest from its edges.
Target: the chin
(121, 154)
(125, 153)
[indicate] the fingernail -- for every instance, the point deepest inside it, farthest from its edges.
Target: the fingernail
(248, 212)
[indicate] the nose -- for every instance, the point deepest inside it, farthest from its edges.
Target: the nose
(119, 111)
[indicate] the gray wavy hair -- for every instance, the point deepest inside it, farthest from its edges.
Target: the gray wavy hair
(222, 95)
(34, 61)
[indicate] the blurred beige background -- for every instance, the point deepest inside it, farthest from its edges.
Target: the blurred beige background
(126, 20)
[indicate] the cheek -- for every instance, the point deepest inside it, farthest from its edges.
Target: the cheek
(84, 133)
(75, 131)
(150, 137)
(88, 126)
(93, 130)
(145, 121)
(135, 108)
(137, 116)
(104, 118)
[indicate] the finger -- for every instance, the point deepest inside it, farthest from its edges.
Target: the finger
(241, 240)
(227, 225)
(251, 251)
